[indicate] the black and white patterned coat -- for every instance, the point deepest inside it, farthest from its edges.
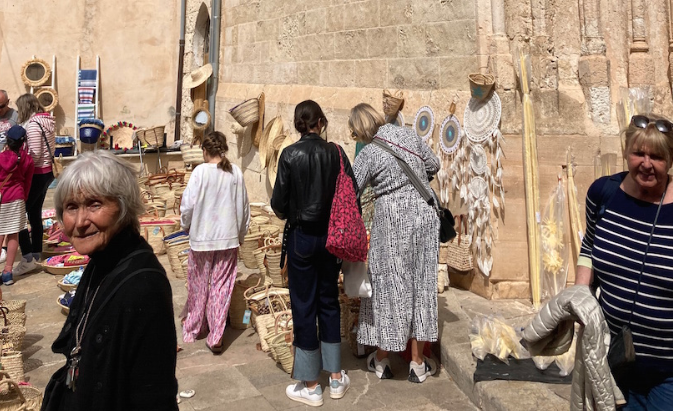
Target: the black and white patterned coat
(404, 244)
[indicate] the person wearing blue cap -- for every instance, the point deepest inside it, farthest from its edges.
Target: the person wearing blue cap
(16, 174)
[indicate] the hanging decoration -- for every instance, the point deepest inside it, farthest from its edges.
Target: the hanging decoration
(123, 139)
(479, 183)
(424, 123)
(450, 138)
(450, 135)
(554, 252)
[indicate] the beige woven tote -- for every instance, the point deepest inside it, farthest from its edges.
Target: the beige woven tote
(459, 250)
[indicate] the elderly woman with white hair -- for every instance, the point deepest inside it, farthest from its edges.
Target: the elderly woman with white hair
(119, 339)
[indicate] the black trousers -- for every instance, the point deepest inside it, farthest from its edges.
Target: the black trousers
(32, 242)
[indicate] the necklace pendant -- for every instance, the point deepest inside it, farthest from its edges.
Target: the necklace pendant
(73, 373)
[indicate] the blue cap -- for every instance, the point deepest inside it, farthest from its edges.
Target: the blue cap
(16, 133)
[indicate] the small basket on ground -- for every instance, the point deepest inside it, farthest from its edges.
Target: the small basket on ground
(154, 231)
(14, 306)
(65, 286)
(12, 364)
(238, 305)
(16, 398)
(280, 343)
(265, 303)
(11, 334)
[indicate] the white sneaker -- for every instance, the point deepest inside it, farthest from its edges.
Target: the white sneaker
(381, 368)
(300, 393)
(338, 388)
(25, 267)
(419, 372)
(3, 255)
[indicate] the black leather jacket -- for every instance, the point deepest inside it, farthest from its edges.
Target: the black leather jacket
(306, 179)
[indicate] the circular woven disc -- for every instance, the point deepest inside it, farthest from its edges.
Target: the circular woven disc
(48, 98)
(478, 161)
(450, 134)
(122, 136)
(478, 188)
(482, 118)
(424, 122)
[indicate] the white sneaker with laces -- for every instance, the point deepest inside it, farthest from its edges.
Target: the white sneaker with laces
(3, 255)
(300, 393)
(420, 372)
(381, 368)
(338, 388)
(25, 267)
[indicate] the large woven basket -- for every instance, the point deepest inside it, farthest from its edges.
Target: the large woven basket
(238, 305)
(392, 102)
(15, 398)
(12, 364)
(191, 155)
(14, 306)
(280, 344)
(246, 112)
(173, 249)
(155, 136)
(459, 250)
(247, 249)
(274, 269)
(443, 253)
(157, 208)
(154, 233)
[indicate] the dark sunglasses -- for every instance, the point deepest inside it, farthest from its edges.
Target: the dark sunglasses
(663, 126)
(4, 105)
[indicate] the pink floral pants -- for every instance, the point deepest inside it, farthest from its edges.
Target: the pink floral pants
(210, 281)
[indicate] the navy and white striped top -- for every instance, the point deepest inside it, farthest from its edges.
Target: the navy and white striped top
(616, 248)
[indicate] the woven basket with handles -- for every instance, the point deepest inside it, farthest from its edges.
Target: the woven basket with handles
(15, 398)
(459, 250)
(247, 112)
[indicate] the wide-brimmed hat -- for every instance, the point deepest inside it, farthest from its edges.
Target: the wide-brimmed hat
(198, 76)
(271, 132)
(272, 170)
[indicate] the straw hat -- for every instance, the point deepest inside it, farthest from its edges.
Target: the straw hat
(198, 76)
(482, 118)
(272, 170)
(450, 134)
(258, 127)
(424, 123)
(243, 141)
(271, 133)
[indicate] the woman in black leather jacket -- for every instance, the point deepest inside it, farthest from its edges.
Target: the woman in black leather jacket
(303, 193)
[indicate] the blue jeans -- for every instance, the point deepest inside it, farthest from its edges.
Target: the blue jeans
(313, 276)
(649, 392)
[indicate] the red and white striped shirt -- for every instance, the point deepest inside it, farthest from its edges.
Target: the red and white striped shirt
(36, 145)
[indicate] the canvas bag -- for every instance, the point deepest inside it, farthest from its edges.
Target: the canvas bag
(346, 233)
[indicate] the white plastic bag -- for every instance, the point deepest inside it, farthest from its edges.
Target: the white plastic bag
(356, 279)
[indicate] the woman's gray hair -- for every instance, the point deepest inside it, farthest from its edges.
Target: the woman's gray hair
(102, 174)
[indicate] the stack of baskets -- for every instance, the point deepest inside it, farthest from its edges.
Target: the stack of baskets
(176, 244)
(266, 303)
(18, 398)
(155, 230)
(11, 338)
(238, 304)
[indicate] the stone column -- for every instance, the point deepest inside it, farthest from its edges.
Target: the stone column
(638, 26)
(594, 67)
(501, 59)
(641, 64)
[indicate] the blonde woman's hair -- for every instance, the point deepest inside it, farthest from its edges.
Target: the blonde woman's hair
(364, 122)
(661, 144)
(27, 105)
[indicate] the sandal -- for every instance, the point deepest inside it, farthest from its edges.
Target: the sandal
(216, 349)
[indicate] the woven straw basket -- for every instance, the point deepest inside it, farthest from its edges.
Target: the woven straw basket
(15, 306)
(280, 341)
(238, 305)
(154, 136)
(191, 155)
(459, 250)
(12, 364)
(247, 112)
(173, 249)
(481, 85)
(247, 249)
(154, 234)
(16, 398)
(392, 102)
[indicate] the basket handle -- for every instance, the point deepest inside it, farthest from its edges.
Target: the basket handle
(4, 377)
(5, 311)
(285, 313)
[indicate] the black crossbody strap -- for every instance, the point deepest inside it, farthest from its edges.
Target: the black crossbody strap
(413, 177)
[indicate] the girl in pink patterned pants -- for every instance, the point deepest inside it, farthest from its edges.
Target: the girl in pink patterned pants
(216, 213)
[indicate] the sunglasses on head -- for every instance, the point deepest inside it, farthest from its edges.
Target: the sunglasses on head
(663, 126)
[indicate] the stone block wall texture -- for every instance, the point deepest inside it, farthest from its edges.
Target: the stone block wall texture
(137, 42)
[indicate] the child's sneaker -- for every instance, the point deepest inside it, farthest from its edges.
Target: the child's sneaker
(381, 368)
(338, 388)
(300, 393)
(419, 372)
(7, 278)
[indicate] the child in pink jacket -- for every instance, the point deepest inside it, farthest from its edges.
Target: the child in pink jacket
(16, 173)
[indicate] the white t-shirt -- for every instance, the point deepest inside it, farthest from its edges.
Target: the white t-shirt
(215, 208)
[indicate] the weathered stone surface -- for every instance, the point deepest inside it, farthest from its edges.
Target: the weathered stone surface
(413, 73)
(594, 71)
(316, 21)
(395, 12)
(342, 73)
(267, 30)
(350, 44)
(641, 70)
(337, 17)
(382, 42)
(454, 70)
(371, 73)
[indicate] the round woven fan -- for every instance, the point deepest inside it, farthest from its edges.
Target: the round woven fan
(122, 136)
(450, 134)
(482, 118)
(478, 161)
(424, 123)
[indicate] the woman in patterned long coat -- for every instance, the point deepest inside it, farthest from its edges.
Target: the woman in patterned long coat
(404, 246)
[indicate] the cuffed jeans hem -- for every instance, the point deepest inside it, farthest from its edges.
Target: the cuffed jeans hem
(307, 364)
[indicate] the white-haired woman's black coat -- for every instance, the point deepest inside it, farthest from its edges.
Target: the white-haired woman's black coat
(129, 347)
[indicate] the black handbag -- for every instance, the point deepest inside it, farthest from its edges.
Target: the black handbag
(446, 220)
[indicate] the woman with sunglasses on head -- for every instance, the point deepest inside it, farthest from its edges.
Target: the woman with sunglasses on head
(628, 251)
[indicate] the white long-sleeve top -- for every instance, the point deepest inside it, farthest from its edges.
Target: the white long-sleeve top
(215, 208)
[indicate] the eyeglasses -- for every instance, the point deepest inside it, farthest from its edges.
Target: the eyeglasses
(663, 126)
(4, 105)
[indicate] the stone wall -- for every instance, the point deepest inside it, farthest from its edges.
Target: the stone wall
(137, 43)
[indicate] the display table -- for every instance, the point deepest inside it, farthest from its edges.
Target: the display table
(151, 160)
